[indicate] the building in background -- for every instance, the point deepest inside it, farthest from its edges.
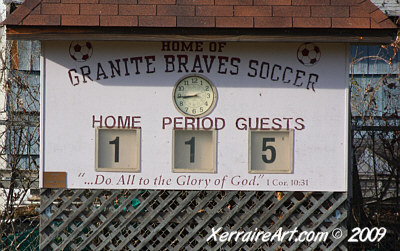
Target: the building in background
(19, 118)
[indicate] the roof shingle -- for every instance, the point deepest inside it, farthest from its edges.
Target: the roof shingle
(349, 14)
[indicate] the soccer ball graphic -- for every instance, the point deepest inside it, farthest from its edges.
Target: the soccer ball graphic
(308, 54)
(80, 51)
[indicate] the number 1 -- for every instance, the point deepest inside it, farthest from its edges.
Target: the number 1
(191, 143)
(116, 154)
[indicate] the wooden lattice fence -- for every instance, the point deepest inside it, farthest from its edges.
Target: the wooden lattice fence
(183, 220)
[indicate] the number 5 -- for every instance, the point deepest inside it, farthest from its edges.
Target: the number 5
(266, 147)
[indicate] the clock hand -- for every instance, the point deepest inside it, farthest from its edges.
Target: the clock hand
(190, 96)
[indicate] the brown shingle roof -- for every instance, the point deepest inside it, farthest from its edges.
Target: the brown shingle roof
(325, 14)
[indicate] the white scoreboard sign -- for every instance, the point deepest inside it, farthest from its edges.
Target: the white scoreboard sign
(195, 115)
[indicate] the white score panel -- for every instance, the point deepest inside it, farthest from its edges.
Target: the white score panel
(271, 151)
(117, 150)
(194, 151)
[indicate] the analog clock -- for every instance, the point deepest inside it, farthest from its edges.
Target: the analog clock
(195, 96)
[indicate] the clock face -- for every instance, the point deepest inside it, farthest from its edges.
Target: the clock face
(194, 96)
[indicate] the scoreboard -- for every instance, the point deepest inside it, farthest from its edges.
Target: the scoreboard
(194, 115)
